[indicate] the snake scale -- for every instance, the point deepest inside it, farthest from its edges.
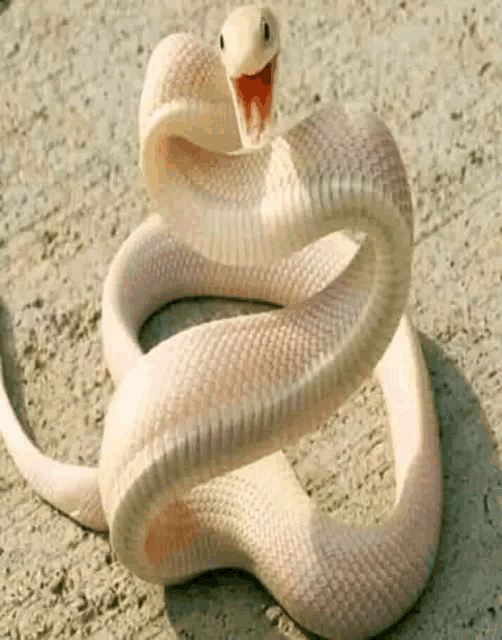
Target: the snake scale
(191, 473)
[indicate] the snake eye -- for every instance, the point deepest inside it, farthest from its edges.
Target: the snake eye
(266, 31)
(222, 42)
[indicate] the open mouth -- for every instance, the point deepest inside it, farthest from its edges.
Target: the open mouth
(255, 95)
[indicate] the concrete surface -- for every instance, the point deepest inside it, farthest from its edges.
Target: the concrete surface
(70, 75)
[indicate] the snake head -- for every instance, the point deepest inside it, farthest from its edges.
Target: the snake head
(249, 47)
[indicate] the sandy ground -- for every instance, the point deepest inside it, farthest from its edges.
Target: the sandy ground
(70, 75)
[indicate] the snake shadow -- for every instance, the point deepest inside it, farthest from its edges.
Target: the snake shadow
(4, 4)
(471, 533)
(468, 572)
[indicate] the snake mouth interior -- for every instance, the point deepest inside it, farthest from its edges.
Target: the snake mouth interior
(254, 94)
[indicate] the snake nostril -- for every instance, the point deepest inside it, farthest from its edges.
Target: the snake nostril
(222, 42)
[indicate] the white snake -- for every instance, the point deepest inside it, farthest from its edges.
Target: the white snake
(257, 223)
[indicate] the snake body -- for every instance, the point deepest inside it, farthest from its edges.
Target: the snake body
(191, 476)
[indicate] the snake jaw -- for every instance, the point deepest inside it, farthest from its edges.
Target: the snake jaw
(254, 98)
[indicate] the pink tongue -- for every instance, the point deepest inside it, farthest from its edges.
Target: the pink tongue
(256, 89)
